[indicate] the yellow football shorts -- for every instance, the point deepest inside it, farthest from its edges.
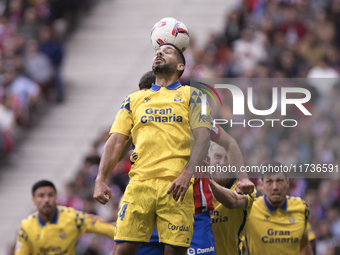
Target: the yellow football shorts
(146, 205)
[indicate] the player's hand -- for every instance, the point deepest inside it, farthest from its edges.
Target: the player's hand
(206, 161)
(180, 186)
(102, 192)
(244, 186)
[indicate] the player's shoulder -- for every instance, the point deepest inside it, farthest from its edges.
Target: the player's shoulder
(192, 90)
(258, 201)
(66, 211)
(296, 204)
(31, 219)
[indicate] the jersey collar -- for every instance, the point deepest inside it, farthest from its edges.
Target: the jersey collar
(172, 86)
(271, 208)
(54, 220)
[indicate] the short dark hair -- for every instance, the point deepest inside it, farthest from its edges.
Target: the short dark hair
(42, 183)
(272, 164)
(147, 79)
(180, 56)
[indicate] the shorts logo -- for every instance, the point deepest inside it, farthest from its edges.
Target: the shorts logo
(191, 251)
(179, 228)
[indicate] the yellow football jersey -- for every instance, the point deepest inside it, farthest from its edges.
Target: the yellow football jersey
(310, 233)
(58, 236)
(228, 224)
(160, 121)
(273, 230)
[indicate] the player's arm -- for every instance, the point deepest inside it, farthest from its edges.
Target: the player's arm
(22, 246)
(230, 199)
(111, 154)
(199, 151)
(126, 148)
(98, 227)
(305, 247)
(244, 185)
(311, 237)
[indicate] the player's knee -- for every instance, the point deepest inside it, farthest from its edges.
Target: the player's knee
(174, 250)
(125, 248)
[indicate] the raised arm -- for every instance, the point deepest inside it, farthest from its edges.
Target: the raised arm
(95, 225)
(230, 199)
(244, 185)
(111, 154)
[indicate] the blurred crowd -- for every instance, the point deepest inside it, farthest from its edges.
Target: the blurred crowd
(32, 35)
(262, 39)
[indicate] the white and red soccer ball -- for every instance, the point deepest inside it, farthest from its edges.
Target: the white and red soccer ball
(170, 30)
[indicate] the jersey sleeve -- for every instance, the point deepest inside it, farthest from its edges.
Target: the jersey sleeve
(310, 233)
(86, 225)
(215, 132)
(306, 208)
(251, 199)
(124, 120)
(22, 246)
(197, 119)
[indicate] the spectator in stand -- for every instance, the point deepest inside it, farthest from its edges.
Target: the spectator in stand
(293, 29)
(23, 93)
(7, 126)
(29, 26)
(247, 51)
(50, 46)
(38, 67)
(323, 70)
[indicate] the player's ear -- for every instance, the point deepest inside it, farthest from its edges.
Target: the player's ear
(180, 67)
(261, 183)
(288, 182)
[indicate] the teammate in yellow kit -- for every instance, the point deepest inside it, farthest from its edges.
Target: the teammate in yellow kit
(55, 229)
(160, 121)
(277, 223)
(231, 209)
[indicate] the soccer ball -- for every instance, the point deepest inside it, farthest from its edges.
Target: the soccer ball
(170, 30)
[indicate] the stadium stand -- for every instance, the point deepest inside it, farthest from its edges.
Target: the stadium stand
(31, 43)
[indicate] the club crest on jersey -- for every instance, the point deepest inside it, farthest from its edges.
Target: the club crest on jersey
(291, 219)
(178, 97)
(62, 234)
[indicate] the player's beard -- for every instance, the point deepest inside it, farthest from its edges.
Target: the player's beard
(164, 69)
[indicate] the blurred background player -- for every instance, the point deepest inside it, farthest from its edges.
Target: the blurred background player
(159, 167)
(231, 209)
(55, 229)
(277, 223)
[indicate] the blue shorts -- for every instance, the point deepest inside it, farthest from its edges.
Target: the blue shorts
(202, 241)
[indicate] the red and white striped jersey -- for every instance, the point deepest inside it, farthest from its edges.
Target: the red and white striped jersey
(203, 197)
